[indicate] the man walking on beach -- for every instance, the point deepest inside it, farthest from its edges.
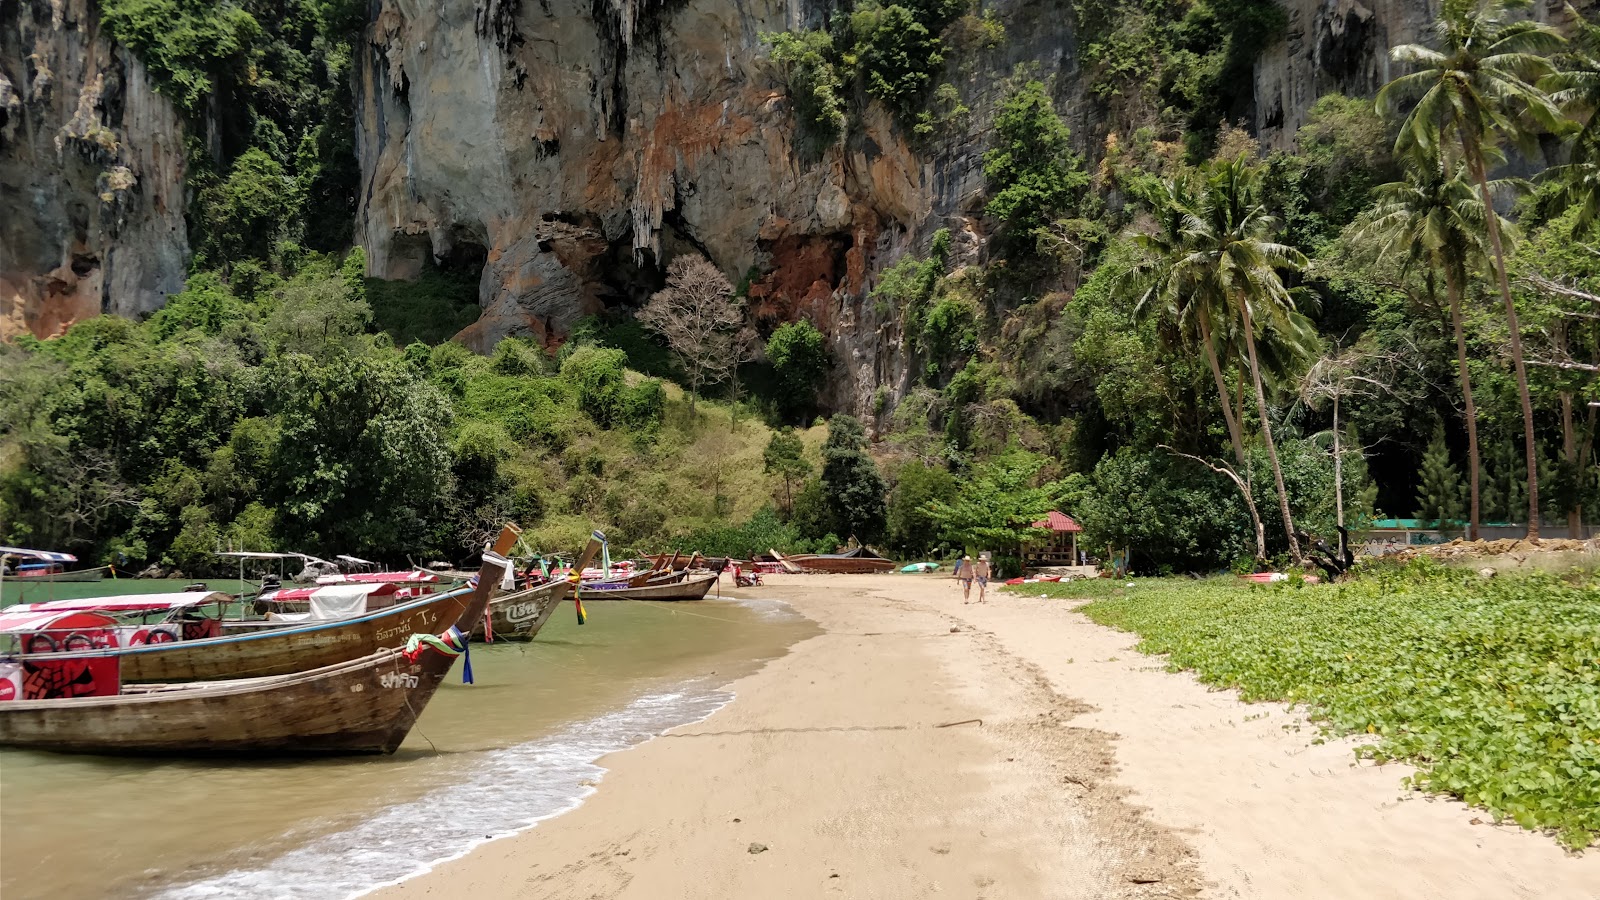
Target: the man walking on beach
(964, 575)
(981, 572)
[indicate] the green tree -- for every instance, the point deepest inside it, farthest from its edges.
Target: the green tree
(243, 215)
(1436, 218)
(807, 61)
(1160, 276)
(785, 458)
(1232, 265)
(1034, 176)
(1576, 90)
(850, 481)
(1477, 87)
(798, 354)
(896, 54)
(1439, 484)
(911, 528)
(996, 506)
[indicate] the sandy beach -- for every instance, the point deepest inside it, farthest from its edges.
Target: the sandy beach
(921, 747)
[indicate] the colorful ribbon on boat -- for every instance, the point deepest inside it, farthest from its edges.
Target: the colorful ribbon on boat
(452, 643)
(576, 577)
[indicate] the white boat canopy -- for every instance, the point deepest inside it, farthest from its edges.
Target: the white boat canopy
(44, 555)
(127, 602)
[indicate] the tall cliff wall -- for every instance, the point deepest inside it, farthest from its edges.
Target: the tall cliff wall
(575, 147)
(91, 174)
(568, 150)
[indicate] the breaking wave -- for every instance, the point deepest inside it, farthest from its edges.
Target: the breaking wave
(499, 794)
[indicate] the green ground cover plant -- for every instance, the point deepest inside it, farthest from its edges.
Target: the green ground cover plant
(1491, 687)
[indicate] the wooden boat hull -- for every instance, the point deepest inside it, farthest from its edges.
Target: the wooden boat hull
(79, 576)
(366, 705)
(694, 587)
(842, 566)
(520, 615)
(285, 649)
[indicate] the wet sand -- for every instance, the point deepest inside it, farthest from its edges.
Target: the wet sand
(852, 767)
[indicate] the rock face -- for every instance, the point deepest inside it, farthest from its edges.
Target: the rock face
(91, 174)
(568, 150)
(1331, 45)
(575, 147)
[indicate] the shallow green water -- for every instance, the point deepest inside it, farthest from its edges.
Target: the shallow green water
(489, 758)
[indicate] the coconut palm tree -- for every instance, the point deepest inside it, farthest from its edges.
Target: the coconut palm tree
(1166, 299)
(1478, 86)
(1435, 217)
(1576, 90)
(1231, 267)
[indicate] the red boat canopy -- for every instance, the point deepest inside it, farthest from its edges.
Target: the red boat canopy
(412, 577)
(127, 603)
(301, 595)
(21, 622)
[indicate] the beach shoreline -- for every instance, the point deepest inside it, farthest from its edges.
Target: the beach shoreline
(919, 746)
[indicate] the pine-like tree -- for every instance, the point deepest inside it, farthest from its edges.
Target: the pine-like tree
(1439, 489)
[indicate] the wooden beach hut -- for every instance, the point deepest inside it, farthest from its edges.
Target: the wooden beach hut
(1059, 547)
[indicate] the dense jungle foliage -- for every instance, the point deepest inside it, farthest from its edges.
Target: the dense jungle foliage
(1172, 333)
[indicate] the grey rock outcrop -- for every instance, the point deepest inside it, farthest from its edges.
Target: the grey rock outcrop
(91, 174)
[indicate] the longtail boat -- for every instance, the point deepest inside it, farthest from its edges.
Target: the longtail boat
(519, 615)
(35, 566)
(690, 587)
(364, 705)
(267, 647)
(859, 561)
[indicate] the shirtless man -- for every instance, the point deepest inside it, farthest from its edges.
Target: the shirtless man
(981, 571)
(964, 575)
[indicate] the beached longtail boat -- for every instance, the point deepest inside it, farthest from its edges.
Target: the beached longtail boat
(272, 647)
(365, 705)
(859, 561)
(691, 587)
(519, 615)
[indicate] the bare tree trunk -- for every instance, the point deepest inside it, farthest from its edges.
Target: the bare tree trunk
(1249, 500)
(1266, 433)
(1453, 286)
(1569, 449)
(1575, 523)
(1234, 433)
(1338, 476)
(1479, 172)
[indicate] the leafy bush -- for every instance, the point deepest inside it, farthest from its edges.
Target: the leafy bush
(798, 354)
(431, 309)
(808, 62)
(1032, 171)
(1490, 687)
(762, 532)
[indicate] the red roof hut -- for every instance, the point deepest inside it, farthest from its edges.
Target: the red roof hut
(1060, 548)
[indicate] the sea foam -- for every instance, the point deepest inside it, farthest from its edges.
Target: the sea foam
(501, 793)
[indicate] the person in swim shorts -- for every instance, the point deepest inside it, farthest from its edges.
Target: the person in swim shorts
(964, 574)
(981, 572)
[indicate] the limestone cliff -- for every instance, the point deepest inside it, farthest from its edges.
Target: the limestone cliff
(91, 174)
(568, 150)
(574, 147)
